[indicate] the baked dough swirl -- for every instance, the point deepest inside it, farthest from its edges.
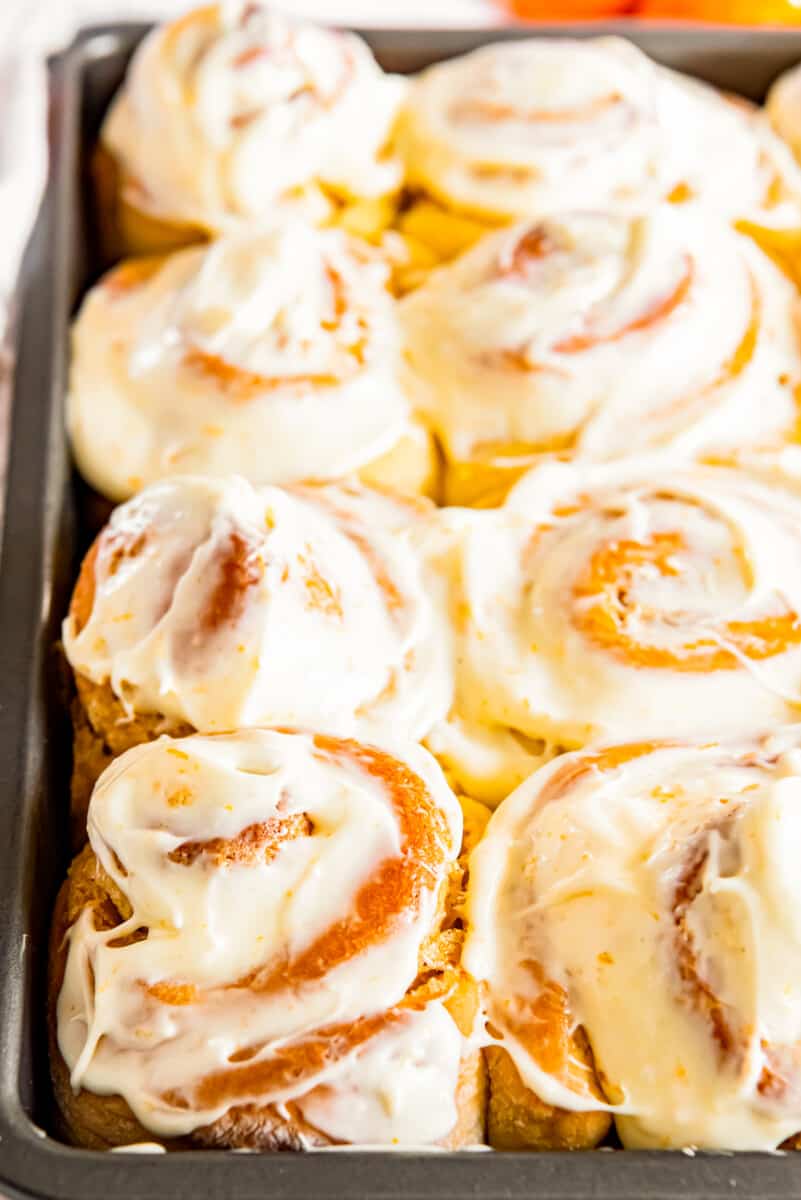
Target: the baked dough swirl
(252, 945)
(273, 355)
(634, 600)
(531, 127)
(219, 605)
(648, 894)
(233, 113)
(590, 334)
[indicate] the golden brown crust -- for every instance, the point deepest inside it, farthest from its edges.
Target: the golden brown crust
(90, 757)
(83, 595)
(99, 1122)
(108, 719)
(471, 1104)
(125, 229)
(101, 731)
(475, 815)
(518, 1120)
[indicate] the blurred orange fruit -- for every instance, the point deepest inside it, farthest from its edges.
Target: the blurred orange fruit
(739, 12)
(567, 10)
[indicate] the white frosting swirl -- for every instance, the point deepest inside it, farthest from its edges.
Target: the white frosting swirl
(529, 128)
(638, 599)
(592, 332)
(233, 112)
(223, 605)
(252, 861)
(651, 895)
(274, 356)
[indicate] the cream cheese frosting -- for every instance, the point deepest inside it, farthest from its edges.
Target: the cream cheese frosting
(649, 893)
(530, 127)
(606, 335)
(250, 860)
(234, 112)
(272, 355)
(631, 600)
(223, 605)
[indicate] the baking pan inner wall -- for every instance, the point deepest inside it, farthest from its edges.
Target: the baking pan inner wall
(47, 530)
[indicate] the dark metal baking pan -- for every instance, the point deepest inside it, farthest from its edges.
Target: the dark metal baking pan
(43, 538)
